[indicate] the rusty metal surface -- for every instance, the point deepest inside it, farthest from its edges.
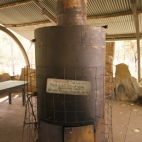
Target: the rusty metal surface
(79, 134)
(72, 12)
(70, 46)
(73, 3)
(76, 53)
(54, 133)
(50, 133)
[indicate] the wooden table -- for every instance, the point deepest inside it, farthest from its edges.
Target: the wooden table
(12, 85)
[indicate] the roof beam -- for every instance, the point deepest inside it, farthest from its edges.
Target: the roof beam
(113, 15)
(15, 4)
(110, 15)
(27, 24)
(117, 36)
(45, 12)
(123, 36)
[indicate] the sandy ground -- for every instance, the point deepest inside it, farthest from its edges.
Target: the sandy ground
(127, 121)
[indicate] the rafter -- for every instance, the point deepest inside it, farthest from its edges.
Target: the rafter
(27, 24)
(110, 15)
(113, 15)
(45, 12)
(123, 36)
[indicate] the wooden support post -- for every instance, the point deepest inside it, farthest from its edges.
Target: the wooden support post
(136, 21)
(23, 97)
(10, 96)
(139, 59)
(27, 24)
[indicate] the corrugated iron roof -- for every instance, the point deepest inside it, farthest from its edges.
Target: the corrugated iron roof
(26, 13)
(101, 7)
(31, 13)
(2, 2)
(50, 6)
(116, 25)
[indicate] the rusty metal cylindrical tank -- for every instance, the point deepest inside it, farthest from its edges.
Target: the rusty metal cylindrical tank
(60, 51)
(71, 51)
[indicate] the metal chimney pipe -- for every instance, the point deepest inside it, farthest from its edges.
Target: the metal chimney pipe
(71, 12)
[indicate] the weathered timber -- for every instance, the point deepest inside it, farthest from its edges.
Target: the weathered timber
(110, 46)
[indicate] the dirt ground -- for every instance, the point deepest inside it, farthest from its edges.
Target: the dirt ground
(127, 121)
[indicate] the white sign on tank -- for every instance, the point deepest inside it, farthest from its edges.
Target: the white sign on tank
(72, 87)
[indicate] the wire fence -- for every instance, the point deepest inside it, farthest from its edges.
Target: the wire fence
(100, 97)
(30, 126)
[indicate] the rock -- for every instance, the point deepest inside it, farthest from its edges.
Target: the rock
(136, 86)
(5, 77)
(122, 71)
(125, 85)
